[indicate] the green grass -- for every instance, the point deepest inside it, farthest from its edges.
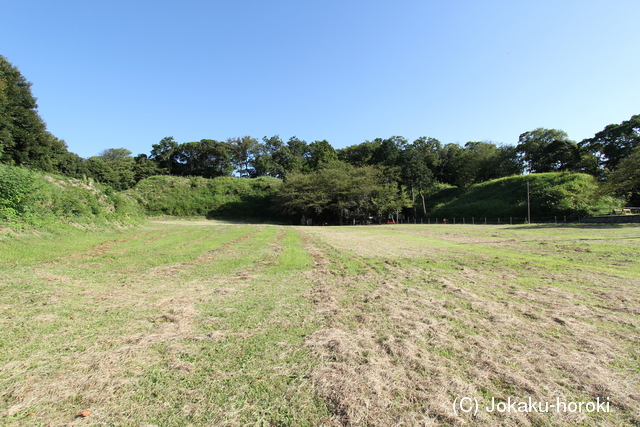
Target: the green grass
(551, 194)
(224, 197)
(34, 200)
(187, 323)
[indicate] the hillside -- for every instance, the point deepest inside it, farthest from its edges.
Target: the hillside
(224, 197)
(551, 194)
(30, 198)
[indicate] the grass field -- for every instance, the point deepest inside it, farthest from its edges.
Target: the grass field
(204, 323)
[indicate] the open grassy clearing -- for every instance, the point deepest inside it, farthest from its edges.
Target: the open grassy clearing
(200, 323)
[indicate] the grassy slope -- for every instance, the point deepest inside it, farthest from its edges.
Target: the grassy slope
(207, 323)
(552, 194)
(224, 197)
(33, 199)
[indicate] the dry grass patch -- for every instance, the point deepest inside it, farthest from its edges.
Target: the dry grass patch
(419, 334)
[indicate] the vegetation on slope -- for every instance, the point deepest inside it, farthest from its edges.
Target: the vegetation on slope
(222, 197)
(30, 198)
(551, 194)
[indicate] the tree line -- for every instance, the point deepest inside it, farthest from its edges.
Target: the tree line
(366, 179)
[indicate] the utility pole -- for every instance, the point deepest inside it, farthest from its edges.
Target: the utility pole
(528, 205)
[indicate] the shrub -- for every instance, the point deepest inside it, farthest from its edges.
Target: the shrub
(16, 188)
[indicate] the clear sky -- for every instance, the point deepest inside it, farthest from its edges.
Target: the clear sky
(126, 73)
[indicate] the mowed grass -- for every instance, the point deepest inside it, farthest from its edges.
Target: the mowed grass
(205, 323)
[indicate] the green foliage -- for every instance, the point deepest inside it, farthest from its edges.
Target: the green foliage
(164, 154)
(222, 197)
(16, 187)
(320, 152)
(551, 194)
(29, 198)
(535, 149)
(242, 152)
(360, 154)
(339, 192)
(21, 128)
(615, 142)
(24, 139)
(420, 161)
(625, 181)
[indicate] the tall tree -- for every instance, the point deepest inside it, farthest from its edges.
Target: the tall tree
(362, 154)
(24, 139)
(321, 152)
(420, 160)
(165, 154)
(453, 168)
(208, 158)
(486, 161)
(114, 167)
(547, 150)
(389, 152)
(274, 157)
(242, 155)
(625, 180)
(340, 193)
(144, 168)
(615, 142)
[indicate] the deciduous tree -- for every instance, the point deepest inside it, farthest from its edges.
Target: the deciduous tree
(615, 142)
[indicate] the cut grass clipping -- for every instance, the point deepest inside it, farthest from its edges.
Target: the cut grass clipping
(205, 323)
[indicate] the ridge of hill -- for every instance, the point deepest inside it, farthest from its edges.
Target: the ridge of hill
(550, 194)
(222, 197)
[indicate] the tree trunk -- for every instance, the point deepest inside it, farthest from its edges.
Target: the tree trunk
(413, 200)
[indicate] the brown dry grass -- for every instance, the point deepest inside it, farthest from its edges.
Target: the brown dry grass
(405, 341)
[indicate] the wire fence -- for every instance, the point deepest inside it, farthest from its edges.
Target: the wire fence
(504, 220)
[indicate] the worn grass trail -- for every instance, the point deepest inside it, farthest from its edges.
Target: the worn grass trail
(199, 323)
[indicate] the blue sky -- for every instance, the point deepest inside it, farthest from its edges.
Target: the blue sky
(111, 74)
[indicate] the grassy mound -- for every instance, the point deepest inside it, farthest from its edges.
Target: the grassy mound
(33, 199)
(551, 194)
(224, 197)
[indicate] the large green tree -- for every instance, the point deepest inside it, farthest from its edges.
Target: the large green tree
(268, 157)
(548, 150)
(242, 155)
(419, 161)
(615, 142)
(114, 167)
(360, 154)
(340, 193)
(320, 152)
(625, 180)
(207, 158)
(24, 139)
(486, 161)
(165, 154)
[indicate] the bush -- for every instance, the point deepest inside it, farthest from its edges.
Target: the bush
(29, 198)
(16, 189)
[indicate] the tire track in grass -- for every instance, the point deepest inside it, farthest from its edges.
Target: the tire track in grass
(356, 377)
(207, 237)
(251, 343)
(323, 292)
(108, 246)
